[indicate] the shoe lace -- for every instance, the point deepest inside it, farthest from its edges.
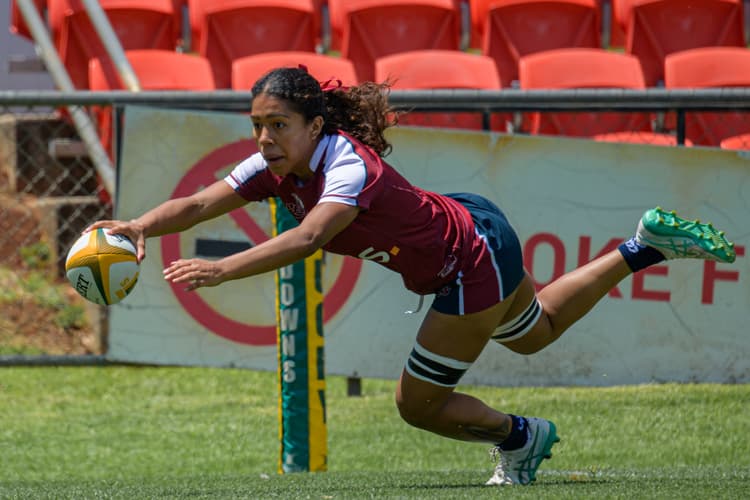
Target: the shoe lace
(503, 461)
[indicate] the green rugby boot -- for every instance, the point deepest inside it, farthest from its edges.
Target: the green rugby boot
(678, 238)
(519, 466)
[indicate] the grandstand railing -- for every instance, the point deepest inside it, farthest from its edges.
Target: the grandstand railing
(679, 101)
(727, 98)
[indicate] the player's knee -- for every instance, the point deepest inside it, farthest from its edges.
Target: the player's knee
(418, 415)
(440, 372)
(527, 332)
(410, 415)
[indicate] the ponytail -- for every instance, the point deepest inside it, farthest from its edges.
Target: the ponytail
(361, 111)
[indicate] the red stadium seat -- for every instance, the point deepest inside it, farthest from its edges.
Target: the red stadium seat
(17, 24)
(439, 69)
(226, 30)
(650, 138)
(738, 142)
(708, 67)
(510, 29)
(156, 70)
(705, 68)
(582, 68)
(139, 24)
(370, 29)
(246, 70)
(656, 28)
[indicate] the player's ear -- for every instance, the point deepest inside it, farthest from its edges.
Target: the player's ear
(316, 127)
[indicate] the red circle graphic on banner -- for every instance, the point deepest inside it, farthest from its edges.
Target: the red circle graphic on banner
(203, 174)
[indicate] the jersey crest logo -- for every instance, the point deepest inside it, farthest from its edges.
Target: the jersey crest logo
(450, 264)
(297, 208)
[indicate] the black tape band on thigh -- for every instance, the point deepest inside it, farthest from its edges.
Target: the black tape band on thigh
(435, 369)
(520, 325)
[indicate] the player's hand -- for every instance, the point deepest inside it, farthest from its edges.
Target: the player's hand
(196, 273)
(132, 229)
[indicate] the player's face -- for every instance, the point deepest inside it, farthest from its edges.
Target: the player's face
(285, 139)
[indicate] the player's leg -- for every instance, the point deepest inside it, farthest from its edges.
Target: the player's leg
(536, 320)
(456, 329)
(446, 346)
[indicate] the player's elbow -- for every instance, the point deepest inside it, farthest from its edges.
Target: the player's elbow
(308, 242)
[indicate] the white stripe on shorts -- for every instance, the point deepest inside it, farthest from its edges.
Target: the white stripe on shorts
(500, 291)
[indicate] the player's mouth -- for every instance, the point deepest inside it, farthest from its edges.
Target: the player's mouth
(273, 159)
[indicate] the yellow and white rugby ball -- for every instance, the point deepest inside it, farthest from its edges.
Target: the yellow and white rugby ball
(102, 267)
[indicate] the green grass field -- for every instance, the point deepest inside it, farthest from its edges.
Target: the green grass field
(132, 432)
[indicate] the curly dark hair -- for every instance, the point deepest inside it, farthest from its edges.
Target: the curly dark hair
(361, 111)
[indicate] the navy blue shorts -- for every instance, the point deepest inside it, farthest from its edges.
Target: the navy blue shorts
(496, 268)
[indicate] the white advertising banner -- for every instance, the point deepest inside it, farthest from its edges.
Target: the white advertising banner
(569, 199)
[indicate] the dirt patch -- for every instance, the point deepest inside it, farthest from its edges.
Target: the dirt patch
(19, 227)
(41, 316)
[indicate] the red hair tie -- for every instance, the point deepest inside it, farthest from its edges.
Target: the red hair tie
(333, 84)
(330, 84)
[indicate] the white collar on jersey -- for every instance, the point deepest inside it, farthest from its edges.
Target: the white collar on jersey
(320, 150)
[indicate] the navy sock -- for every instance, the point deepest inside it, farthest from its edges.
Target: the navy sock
(639, 256)
(519, 434)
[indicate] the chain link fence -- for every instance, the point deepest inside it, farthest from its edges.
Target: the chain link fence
(50, 190)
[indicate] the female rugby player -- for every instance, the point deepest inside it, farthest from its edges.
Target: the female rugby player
(321, 151)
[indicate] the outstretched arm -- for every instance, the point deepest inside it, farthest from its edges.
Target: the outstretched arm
(323, 222)
(175, 215)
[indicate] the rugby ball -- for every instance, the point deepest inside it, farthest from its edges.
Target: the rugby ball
(102, 267)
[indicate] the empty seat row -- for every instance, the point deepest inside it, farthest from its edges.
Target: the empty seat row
(591, 68)
(438, 69)
(706, 67)
(366, 30)
(221, 30)
(588, 68)
(656, 28)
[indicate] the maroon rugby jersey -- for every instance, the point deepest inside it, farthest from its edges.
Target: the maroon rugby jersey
(425, 237)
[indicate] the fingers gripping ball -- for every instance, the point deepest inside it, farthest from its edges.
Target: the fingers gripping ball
(102, 267)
